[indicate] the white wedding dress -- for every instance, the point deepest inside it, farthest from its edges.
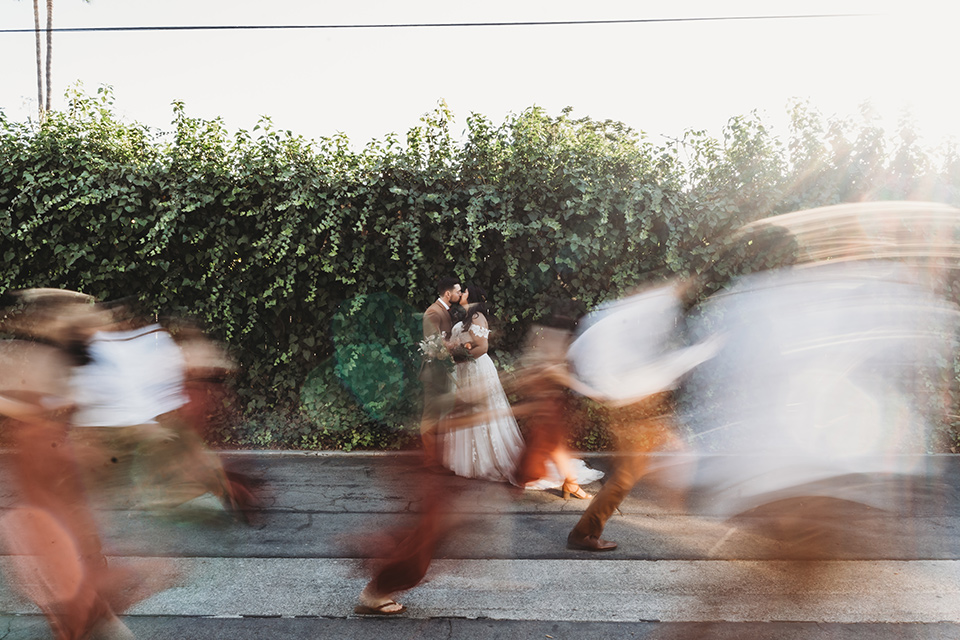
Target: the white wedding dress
(491, 450)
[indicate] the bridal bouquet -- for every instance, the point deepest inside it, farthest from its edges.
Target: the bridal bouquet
(432, 348)
(461, 352)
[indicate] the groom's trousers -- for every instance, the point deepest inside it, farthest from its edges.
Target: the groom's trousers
(638, 429)
(438, 400)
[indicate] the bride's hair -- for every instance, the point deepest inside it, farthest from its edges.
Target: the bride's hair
(476, 304)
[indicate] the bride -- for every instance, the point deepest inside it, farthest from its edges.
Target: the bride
(491, 448)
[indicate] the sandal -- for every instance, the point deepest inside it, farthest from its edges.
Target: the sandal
(365, 610)
(573, 490)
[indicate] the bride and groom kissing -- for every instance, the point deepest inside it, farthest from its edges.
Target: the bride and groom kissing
(468, 426)
(464, 340)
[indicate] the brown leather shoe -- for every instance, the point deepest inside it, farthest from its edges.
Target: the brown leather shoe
(590, 543)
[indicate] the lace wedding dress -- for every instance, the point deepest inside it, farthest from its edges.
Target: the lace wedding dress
(489, 450)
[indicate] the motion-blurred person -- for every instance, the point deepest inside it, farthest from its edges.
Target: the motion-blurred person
(633, 352)
(404, 564)
(638, 350)
(207, 370)
(830, 373)
(51, 536)
(542, 384)
(128, 424)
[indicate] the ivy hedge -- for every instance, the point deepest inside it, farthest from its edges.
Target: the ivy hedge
(311, 259)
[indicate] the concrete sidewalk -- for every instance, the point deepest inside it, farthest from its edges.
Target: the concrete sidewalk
(297, 570)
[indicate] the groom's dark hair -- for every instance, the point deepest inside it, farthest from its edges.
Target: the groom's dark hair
(446, 284)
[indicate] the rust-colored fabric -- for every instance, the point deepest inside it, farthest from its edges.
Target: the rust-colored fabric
(642, 428)
(407, 563)
(545, 405)
(51, 535)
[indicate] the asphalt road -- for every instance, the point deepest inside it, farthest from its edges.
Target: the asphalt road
(679, 572)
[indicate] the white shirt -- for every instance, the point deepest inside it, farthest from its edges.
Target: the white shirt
(133, 377)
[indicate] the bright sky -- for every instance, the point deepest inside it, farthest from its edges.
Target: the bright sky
(661, 78)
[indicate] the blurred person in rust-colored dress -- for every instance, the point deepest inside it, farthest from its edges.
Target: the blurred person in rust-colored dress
(542, 384)
(405, 563)
(208, 369)
(51, 537)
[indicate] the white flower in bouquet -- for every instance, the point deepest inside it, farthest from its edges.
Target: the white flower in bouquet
(433, 348)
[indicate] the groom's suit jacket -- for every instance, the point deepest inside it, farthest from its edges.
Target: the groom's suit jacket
(437, 319)
(437, 399)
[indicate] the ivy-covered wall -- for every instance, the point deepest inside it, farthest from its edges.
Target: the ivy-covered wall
(310, 259)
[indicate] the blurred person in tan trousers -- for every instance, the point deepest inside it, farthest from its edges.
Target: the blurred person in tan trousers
(129, 425)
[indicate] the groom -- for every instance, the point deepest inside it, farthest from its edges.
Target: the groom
(437, 393)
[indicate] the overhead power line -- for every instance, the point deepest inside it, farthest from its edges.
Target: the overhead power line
(426, 25)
